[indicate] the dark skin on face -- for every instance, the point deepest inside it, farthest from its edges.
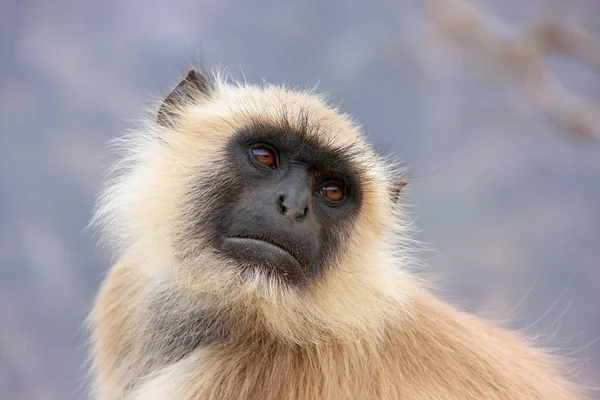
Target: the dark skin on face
(284, 200)
(291, 204)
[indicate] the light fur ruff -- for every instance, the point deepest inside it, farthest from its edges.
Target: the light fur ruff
(366, 329)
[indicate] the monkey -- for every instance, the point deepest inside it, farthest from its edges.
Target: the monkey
(263, 252)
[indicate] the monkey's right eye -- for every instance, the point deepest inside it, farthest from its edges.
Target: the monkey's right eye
(264, 156)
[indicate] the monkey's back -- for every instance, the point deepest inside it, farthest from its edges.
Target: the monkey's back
(436, 353)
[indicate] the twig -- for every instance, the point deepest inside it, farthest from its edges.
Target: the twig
(521, 58)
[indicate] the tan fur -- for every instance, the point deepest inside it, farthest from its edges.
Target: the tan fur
(367, 329)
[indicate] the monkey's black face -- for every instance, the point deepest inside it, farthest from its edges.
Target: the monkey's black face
(288, 203)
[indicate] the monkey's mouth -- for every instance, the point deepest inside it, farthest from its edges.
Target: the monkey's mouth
(263, 248)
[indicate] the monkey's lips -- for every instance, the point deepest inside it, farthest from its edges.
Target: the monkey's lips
(263, 250)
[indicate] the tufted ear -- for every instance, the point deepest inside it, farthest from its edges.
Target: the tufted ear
(396, 189)
(195, 84)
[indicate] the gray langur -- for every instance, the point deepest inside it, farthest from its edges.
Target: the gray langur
(260, 256)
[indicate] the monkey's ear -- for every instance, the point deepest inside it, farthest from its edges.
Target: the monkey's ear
(396, 189)
(195, 84)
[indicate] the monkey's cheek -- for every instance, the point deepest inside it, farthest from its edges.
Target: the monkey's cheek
(262, 254)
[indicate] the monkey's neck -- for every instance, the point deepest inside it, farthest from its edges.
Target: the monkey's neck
(182, 323)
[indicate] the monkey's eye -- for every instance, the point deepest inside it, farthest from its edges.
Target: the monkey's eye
(264, 156)
(332, 191)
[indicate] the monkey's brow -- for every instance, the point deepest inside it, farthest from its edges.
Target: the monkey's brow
(311, 145)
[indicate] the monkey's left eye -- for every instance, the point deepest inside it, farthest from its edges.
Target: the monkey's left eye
(264, 156)
(332, 191)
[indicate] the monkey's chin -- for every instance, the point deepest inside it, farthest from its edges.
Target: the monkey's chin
(263, 254)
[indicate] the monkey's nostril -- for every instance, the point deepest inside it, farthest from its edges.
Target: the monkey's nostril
(300, 216)
(280, 201)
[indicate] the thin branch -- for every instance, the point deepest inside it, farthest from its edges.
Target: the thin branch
(521, 58)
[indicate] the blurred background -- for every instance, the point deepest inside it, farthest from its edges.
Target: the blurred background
(490, 103)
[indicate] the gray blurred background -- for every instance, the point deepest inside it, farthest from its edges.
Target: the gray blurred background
(509, 206)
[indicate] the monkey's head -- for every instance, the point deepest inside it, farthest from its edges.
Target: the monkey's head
(263, 201)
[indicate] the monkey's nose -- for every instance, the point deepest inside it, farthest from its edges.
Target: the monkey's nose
(293, 209)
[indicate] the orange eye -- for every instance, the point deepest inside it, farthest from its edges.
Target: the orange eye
(332, 191)
(264, 156)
